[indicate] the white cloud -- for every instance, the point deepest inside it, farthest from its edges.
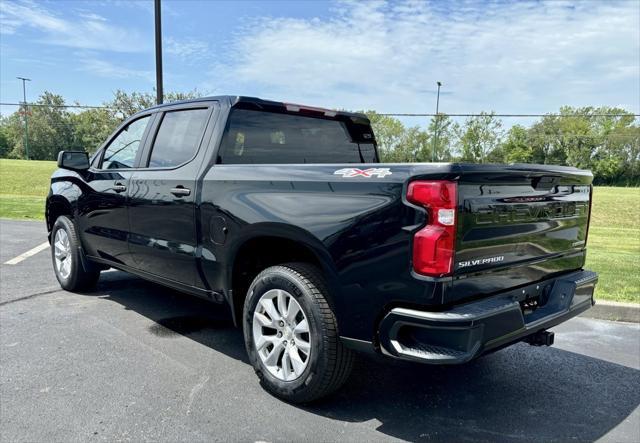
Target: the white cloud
(85, 31)
(190, 50)
(104, 68)
(91, 16)
(8, 26)
(508, 57)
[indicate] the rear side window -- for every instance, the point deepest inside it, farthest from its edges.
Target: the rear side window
(259, 137)
(178, 137)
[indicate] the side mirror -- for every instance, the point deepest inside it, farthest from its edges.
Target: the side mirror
(74, 160)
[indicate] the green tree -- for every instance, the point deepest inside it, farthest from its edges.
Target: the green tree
(92, 127)
(12, 127)
(626, 141)
(543, 136)
(479, 136)
(605, 140)
(617, 157)
(50, 129)
(515, 148)
(417, 145)
(444, 141)
(126, 104)
(397, 143)
(6, 143)
(389, 132)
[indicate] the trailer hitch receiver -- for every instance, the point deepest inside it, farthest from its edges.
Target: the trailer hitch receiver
(540, 338)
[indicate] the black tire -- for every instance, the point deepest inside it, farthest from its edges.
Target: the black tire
(78, 278)
(329, 363)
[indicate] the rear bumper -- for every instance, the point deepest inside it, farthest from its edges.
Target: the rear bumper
(470, 330)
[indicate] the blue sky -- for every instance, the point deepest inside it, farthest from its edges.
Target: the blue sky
(523, 57)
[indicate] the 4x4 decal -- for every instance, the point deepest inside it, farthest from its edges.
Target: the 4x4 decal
(354, 172)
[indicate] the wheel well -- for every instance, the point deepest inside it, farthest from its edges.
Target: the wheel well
(258, 254)
(55, 208)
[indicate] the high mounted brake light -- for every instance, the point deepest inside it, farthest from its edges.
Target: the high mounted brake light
(434, 245)
(311, 110)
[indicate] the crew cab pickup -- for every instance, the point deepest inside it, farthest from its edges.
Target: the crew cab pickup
(284, 213)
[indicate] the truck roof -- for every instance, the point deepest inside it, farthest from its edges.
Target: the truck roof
(234, 100)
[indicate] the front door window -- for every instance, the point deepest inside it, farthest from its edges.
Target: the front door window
(121, 152)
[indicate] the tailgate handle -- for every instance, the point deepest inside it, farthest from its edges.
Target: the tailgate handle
(546, 182)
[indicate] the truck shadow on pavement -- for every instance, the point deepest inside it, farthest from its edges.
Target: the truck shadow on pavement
(521, 393)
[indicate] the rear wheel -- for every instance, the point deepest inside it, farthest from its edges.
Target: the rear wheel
(66, 258)
(291, 334)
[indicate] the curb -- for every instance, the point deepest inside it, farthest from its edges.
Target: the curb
(610, 310)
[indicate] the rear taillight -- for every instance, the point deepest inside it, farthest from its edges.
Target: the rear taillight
(434, 245)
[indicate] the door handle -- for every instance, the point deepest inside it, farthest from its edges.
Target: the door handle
(180, 191)
(119, 187)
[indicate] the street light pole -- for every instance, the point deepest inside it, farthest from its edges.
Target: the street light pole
(159, 91)
(25, 113)
(435, 137)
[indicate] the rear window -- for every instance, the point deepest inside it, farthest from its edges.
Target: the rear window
(178, 137)
(259, 137)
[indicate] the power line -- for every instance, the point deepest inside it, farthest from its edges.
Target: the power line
(405, 114)
(536, 135)
(56, 106)
(390, 114)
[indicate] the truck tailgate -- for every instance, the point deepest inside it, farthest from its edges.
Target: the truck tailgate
(518, 224)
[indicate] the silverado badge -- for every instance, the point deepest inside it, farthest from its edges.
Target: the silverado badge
(480, 261)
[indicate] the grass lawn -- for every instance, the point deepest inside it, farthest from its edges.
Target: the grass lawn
(614, 235)
(24, 185)
(614, 243)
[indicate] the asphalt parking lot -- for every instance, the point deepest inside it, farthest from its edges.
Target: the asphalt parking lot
(135, 361)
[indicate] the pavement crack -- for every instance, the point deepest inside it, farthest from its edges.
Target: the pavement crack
(195, 390)
(27, 297)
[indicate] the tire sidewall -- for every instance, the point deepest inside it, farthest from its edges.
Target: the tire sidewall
(65, 224)
(282, 278)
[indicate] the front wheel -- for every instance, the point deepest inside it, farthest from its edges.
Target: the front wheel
(291, 334)
(65, 254)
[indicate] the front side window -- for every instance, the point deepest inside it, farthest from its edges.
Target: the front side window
(178, 137)
(261, 137)
(121, 152)
(95, 162)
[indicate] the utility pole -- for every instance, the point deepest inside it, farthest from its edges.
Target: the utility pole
(25, 112)
(159, 92)
(435, 137)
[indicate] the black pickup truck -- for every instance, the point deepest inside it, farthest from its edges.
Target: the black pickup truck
(284, 213)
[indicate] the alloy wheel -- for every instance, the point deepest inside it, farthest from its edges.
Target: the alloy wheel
(281, 335)
(62, 253)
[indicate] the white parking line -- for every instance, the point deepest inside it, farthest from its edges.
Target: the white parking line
(29, 253)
